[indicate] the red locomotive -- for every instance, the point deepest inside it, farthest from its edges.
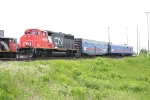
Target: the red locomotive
(44, 43)
(8, 47)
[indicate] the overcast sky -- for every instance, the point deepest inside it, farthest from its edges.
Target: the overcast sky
(83, 18)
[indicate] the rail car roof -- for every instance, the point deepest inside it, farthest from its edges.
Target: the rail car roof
(121, 45)
(90, 40)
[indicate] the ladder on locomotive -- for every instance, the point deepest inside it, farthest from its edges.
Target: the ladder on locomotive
(78, 46)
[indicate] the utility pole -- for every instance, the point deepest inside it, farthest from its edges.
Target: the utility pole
(137, 39)
(108, 35)
(139, 44)
(127, 35)
(148, 32)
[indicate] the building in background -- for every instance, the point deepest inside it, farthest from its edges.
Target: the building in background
(1, 33)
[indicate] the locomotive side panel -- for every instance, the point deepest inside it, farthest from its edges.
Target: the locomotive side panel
(35, 38)
(13, 45)
(8, 48)
(58, 40)
(69, 41)
(4, 44)
(62, 41)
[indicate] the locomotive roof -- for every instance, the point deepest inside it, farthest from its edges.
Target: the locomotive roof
(92, 40)
(56, 32)
(7, 37)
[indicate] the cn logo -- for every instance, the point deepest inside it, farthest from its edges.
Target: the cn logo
(27, 43)
(58, 41)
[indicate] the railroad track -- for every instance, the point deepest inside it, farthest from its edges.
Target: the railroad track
(48, 58)
(52, 58)
(32, 59)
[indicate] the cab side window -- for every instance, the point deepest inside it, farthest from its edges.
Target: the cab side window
(38, 33)
(33, 32)
(44, 33)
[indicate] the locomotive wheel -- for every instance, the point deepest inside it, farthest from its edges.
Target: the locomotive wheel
(37, 54)
(28, 54)
(83, 55)
(5, 55)
(14, 55)
(68, 54)
(44, 54)
(11, 55)
(49, 53)
(72, 54)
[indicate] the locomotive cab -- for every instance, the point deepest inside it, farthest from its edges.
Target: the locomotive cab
(35, 41)
(35, 38)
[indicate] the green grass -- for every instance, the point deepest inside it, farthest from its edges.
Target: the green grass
(92, 79)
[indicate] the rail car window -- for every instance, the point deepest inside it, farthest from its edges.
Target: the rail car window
(27, 32)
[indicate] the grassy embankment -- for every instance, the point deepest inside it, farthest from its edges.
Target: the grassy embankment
(96, 79)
